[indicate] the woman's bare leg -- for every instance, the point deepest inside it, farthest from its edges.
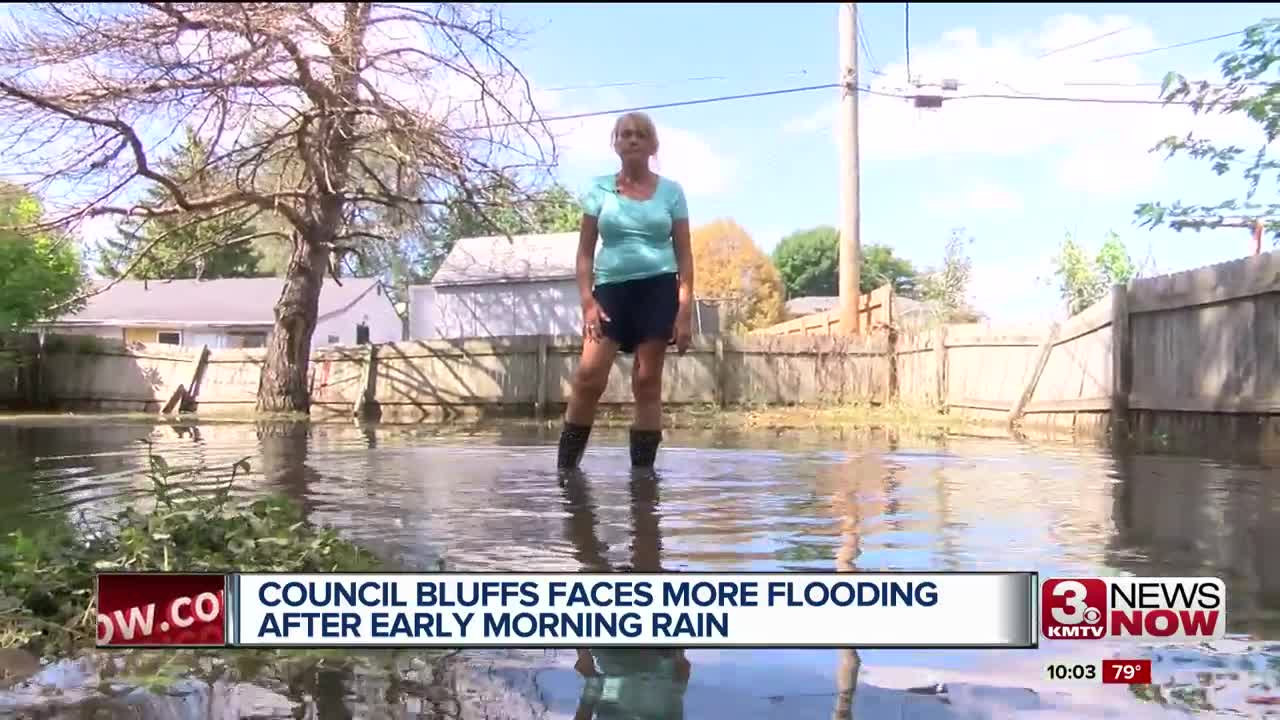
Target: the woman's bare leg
(589, 383)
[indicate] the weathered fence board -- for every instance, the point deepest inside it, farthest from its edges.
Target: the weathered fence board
(437, 378)
(874, 312)
(1205, 341)
(1202, 341)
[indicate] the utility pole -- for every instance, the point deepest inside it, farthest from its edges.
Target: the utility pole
(850, 242)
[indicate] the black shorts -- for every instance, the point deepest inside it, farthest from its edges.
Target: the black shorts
(640, 310)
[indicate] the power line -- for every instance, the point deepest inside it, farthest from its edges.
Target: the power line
(906, 35)
(865, 45)
(1070, 83)
(1044, 98)
(633, 83)
(1170, 47)
(662, 106)
(907, 42)
(1083, 42)
(659, 83)
(831, 86)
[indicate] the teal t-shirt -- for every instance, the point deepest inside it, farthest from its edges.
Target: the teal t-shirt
(635, 236)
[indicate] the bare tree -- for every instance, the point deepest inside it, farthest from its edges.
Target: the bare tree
(335, 125)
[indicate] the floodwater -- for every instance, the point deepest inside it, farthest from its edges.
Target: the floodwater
(794, 500)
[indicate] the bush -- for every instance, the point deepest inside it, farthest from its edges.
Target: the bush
(47, 605)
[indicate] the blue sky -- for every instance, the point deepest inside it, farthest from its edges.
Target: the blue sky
(1017, 175)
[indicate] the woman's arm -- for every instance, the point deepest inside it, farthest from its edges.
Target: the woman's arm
(588, 232)
(684, 261)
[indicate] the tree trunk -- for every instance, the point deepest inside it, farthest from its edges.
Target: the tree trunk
(284, 386)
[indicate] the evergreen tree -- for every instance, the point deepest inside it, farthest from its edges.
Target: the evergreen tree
(218, 245)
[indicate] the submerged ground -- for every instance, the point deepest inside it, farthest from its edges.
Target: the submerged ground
(755, 496)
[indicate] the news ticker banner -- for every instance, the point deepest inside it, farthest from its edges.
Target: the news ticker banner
(999, 610)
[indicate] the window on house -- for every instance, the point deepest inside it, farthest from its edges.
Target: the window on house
(248, 339)
(169, 338)
(334, 339)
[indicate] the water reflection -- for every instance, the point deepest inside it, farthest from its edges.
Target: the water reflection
(284, 447)
(730, 502)
(1178, 515)
(624, 682)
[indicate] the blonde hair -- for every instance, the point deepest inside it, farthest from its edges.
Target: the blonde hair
(642, 121)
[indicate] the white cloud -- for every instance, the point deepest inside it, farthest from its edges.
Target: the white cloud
(981, 195)
(1107, 144)
(1017, 291)
(1109, 168)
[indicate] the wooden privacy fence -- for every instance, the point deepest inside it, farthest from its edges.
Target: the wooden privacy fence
(413, 381)
(1206, 341)
(1201, 341)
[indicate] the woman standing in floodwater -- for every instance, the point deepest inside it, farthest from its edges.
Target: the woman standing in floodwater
(637, 294)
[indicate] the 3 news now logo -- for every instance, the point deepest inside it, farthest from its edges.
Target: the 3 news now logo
(1127, 607)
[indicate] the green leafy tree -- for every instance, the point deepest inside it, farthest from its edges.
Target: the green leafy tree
(945, 289)
(880, 266)
(809, 263)
(185, 245)
(1083, 280)
(1249, 88)
(328, 119)
(41, 275)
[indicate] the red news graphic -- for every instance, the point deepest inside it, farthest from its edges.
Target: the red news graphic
(1126, 672)
(146, 609)
(1139, 608)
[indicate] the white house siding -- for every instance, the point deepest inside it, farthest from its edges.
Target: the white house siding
(422, 312)
(375, 309)
(498, 309)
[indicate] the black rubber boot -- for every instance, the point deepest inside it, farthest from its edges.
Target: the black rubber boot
(644, 447)
(573, 443)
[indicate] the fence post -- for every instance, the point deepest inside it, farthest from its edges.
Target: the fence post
(183, 398)
(721, 400)
(891, 349)
(540, 398)
(1045, 350)
(367, 404)
(39, 397)
(1121, 361)
(940, 366)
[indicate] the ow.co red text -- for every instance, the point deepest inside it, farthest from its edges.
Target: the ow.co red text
(159, 609)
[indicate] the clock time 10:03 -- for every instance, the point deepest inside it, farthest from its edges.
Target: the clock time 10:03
(1073, 671)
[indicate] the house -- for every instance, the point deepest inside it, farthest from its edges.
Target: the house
(499, 287)
(228, 313)
(908, 314)
(810, 305)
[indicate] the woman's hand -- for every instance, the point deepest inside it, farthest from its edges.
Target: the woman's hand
(684, 328)
(593, 320)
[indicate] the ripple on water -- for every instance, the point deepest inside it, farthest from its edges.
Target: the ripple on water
(494, 502)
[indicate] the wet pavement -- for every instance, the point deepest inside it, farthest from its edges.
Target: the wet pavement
(748, 501)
